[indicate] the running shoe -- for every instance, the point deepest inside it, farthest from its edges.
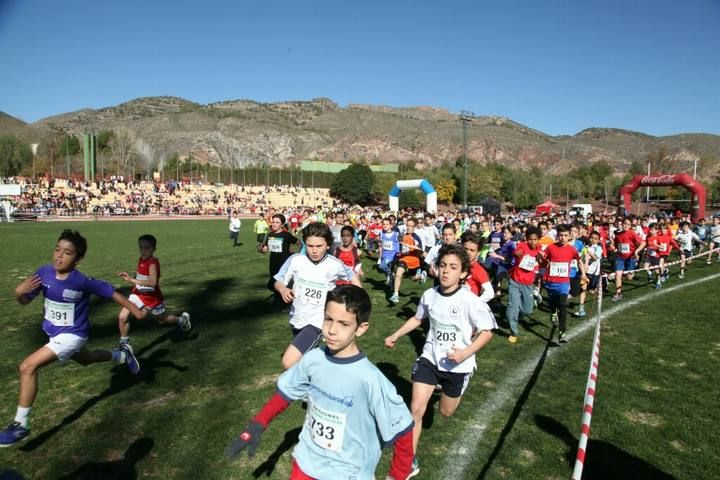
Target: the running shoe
(395, 298)
(617, 297)
(681, 276)
(554, 318)
(512, 339)
(415, 470)
(14, 433)
(562, 338)
(130, 360)
(658, 286)
(184, 323)
(580, 313)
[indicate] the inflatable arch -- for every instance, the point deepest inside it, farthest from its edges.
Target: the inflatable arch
(424, 185)
(697, 200)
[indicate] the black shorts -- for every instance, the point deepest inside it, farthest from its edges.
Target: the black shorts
(575, 285)
(593, 281)
(453, 384)
(652, 261)
(260, 237)
(306, 338)
(410, 272)
(686, 253)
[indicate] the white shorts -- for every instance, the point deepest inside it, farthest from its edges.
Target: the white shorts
(135, 300)
(65, 345)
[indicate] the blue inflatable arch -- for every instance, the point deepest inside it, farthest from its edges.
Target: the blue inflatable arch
(422, 184)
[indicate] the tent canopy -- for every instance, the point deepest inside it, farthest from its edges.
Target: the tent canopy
(545, 207)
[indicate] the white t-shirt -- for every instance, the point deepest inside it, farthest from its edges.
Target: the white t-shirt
(428, 235)
(594, 265)
(235, 224)
(715, 233)
(685, 240)
(432, 254)
(453, 320)
(311, 282)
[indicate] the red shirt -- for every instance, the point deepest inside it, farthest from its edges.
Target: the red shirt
(665, 242)
(150, 296)
(477, 277)
(626, 242)
(653, 247)
(558, 259)
(526, 267)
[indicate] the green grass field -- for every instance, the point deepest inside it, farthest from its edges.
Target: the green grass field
(656, 412)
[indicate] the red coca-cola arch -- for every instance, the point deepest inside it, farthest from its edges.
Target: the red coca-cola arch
(697, 200)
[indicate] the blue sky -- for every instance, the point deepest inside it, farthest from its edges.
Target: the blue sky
(556, 66)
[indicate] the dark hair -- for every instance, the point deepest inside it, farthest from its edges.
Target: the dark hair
(347, 228)
(280, 217)
(318, 229)
(473, 237)
(149, 239)
(450, 226)
(78, 241)
(533, 231)
(562, 228)
(457, 250)
(355, 299)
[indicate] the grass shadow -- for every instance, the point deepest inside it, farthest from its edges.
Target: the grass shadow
(268, 466)
(603, 460)
(123, 469)
(402, 385)
(517, 408)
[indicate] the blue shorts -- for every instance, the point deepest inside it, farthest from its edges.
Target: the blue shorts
(625, 264)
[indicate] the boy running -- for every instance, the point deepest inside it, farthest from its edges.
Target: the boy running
(278, 243)
(408, 259)
(592, 258)
(313, 274)
(557, 260)
(460, 325)
(522, 280)
(353, 410)
(687, 240)
(389, 247)
(261, 229)
(478, 280)
(714, 239)
(65, 321)
(146, 294)
(627, 246)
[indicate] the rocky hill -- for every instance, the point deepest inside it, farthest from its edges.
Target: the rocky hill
(243, 132)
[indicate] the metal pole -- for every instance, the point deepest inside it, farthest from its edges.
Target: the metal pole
(647, 190)
(67, 156)
(695, 169)
(465, 117)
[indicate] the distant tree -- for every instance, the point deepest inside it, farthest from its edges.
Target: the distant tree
(121, 145)
(355, 184)
(446, 189)
(70, 146)
(14, 155)
(409, 199)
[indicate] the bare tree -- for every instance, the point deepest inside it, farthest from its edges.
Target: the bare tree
(121, 146)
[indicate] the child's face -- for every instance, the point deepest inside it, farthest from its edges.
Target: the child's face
(450, 271)
(410, 226)
(316, 248)
(686, 228)
(532, 241)
(276, 225)
(346, 238)
(146, 250)
(472, 249)
(595, 239)
(448, 236)
(507, 235)
(387, 226)
(340, 328)
(65, 257)
(473, 227)
(563, 237)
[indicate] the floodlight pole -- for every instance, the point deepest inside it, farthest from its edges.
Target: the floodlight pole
(465, 117)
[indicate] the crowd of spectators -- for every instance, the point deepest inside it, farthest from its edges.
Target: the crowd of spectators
(43, 197)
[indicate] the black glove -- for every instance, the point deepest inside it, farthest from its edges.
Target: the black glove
(250, 438)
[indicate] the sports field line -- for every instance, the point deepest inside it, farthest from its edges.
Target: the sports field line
(463, 451)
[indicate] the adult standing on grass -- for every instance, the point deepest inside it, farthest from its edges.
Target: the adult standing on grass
(460, 325)
(353, 410)
(235, 224)
(65, 321)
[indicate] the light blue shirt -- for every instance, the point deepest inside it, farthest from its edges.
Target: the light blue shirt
(353, 411)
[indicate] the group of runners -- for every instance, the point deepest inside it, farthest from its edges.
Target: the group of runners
(352, 409)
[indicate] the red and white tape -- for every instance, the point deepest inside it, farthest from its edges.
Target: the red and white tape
(669, 264)
(589, 394)
(593, 376)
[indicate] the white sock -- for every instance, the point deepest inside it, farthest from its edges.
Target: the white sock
(22, 415)
(125, 340)
(118, 356)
